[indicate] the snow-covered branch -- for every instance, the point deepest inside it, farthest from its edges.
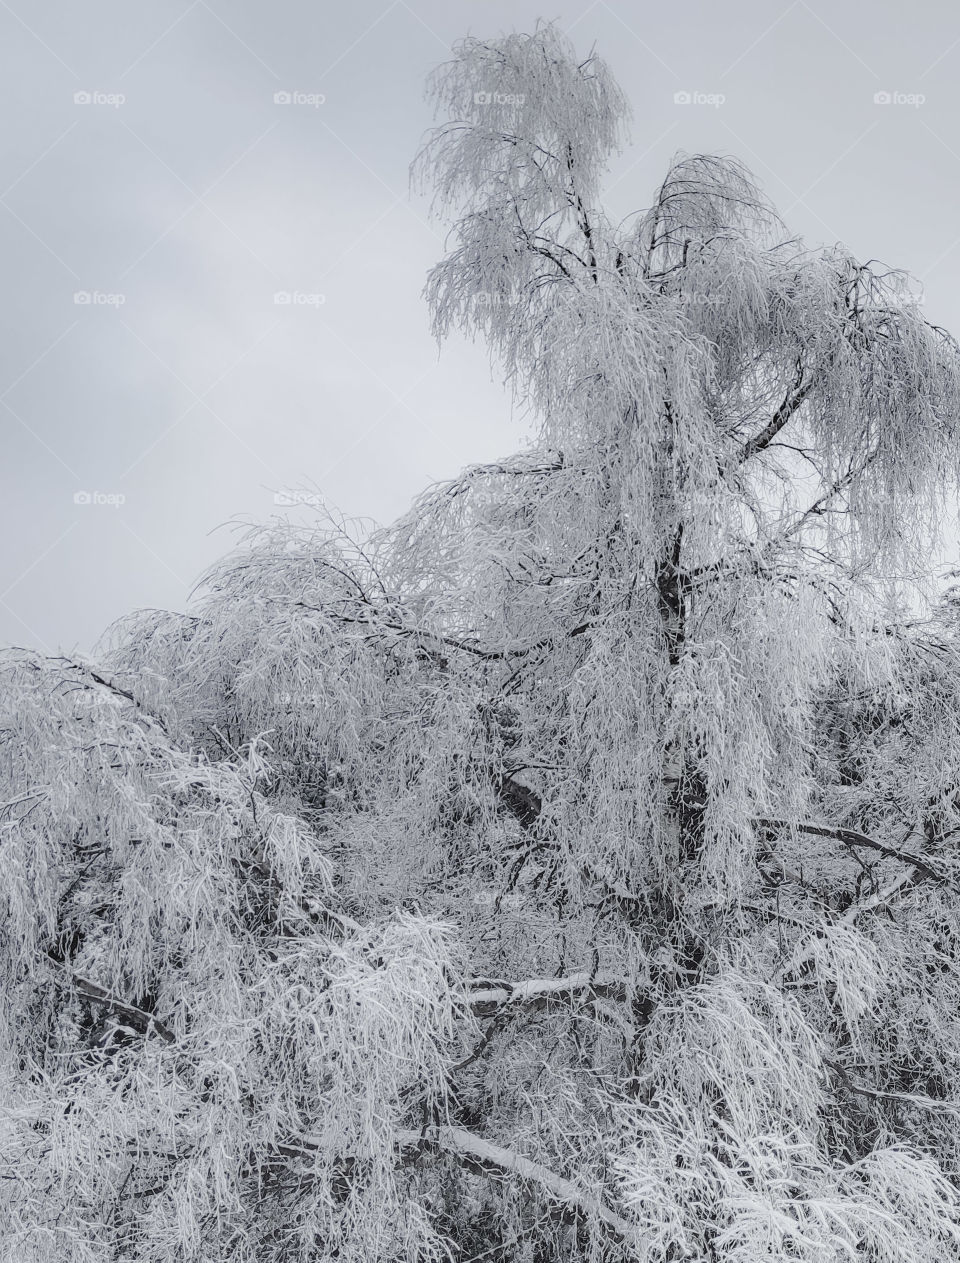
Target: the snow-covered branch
(138, 1018)
(483, 1156)
(543, 993)
(878, 1094)
(779, 419)
(852, 839)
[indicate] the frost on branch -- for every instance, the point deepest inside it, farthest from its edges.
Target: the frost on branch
(180, 1009)
(569, 870)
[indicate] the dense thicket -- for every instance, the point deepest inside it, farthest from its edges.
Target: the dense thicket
(568, 871)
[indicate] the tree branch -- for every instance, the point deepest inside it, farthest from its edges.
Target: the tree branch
(909, 1098)
(483, 1157)
(791, 403)
(542, 993)
(502, 1000)
(139, 1019)
(572, 1203)
(852, 839)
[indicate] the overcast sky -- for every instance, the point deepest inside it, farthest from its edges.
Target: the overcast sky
(178, 198)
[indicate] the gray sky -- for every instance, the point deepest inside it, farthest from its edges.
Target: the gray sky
(182, 210)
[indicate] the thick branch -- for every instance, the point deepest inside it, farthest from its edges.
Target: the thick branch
(501, 1001)
(519, 800)
(776, 423)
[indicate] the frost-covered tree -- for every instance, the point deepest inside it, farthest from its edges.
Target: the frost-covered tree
(568, 871)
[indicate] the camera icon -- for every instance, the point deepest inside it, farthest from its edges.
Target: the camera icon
(881, 98)
(81, 497)
(282, 298)
(482, 98)
(681, 98)
(82, 297)
(81, 98)
(281, 98)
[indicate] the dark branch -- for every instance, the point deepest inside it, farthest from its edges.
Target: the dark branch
(791, 403)
(573, 1204)
(138, 1018)
(852, 839)
(519, 800)
(876, 1094)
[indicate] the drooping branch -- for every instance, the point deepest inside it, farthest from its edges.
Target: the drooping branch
(427, 638)
(115, 689)
(571, 1204)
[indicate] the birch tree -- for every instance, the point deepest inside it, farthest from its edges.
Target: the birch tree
(568, 871)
